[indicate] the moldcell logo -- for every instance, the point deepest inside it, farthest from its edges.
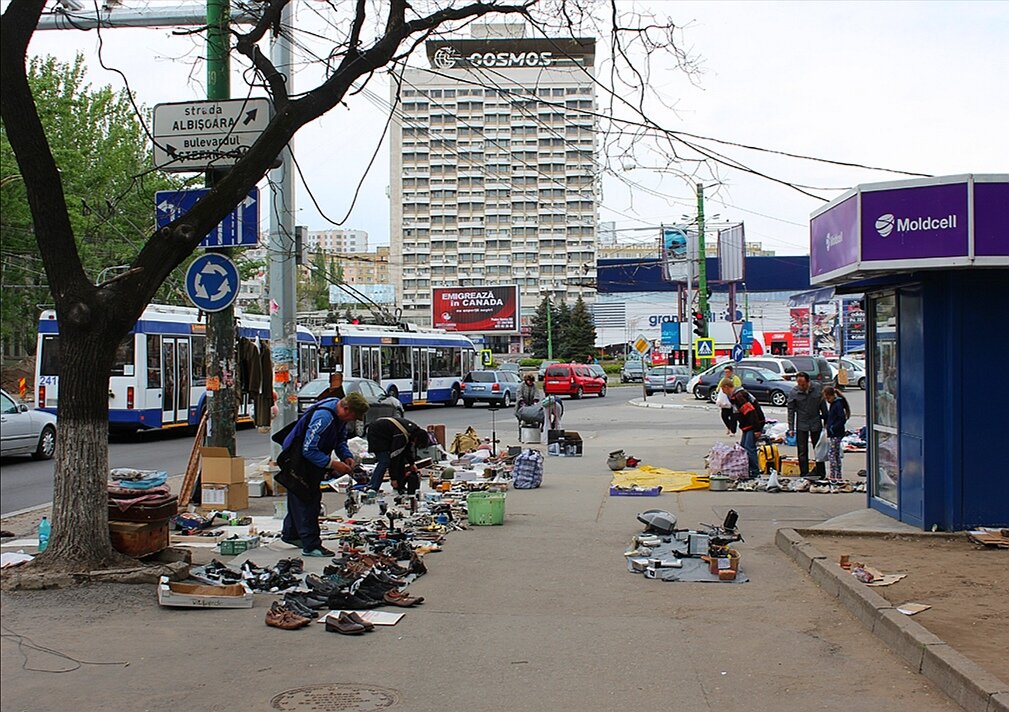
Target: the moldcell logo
(885, 224)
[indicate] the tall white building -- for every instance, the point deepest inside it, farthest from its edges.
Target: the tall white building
(494, 176)
(337, 241)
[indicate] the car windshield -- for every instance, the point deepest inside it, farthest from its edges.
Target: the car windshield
(510, 367)
(481, 377)
(313, 388)
(557, 371)
(767, 375)
(633, 366)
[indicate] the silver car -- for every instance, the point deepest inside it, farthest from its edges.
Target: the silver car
(24, 431)
(668, 379)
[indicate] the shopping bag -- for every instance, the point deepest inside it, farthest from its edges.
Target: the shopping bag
(722, 401)
(820, 452)
(465, 442)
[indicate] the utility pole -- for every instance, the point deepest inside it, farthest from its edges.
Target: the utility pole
(283, 295)
(550, 328)
(702, 270)
(222, 365)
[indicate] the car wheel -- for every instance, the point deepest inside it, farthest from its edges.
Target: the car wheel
(698, 394)
(861, 383)
(506, 400)
(602, 393)
(713, 395)
(467, 403)
(778, 398)
(47, 444)
(578, 393)
(679, 388)
(453, 398)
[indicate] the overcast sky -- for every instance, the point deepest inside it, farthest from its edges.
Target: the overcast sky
(917, 87)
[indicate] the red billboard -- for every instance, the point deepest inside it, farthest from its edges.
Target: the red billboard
(475, 310)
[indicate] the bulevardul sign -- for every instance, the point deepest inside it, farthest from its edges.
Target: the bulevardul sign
(197, 135)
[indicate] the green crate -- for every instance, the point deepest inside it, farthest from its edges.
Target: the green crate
(486, 508)
(233, 547)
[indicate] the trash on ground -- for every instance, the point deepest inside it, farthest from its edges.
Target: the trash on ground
(909, 609)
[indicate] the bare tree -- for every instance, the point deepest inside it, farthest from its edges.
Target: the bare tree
(95, 318)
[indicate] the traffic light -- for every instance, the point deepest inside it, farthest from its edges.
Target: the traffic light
(700, 328)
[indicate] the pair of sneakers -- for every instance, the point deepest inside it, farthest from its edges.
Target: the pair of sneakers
(318, 552)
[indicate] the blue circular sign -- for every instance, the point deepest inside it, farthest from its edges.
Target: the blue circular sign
(212, 282)
(737, 353)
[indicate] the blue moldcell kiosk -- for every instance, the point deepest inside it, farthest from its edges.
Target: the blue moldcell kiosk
(932, 258)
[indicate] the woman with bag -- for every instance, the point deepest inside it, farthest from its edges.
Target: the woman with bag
(838, 413)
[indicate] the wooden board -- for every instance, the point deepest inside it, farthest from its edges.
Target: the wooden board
(193, 466)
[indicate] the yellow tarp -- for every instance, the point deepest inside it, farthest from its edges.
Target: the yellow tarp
(668, 480)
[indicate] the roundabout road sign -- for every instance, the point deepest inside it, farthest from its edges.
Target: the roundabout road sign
(212, 282)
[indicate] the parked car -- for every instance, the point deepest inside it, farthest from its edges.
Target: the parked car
(599, 371)
(380, 403)
(784, 367)
(816, 366)
(692, 383)
(633, 370)
(668, 379)
(543, 369)
(510, 367)
(24, 431)
(494, 387)
(854, 367)
(766, 386)
(572, 379)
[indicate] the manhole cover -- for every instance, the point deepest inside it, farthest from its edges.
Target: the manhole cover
(336, 698)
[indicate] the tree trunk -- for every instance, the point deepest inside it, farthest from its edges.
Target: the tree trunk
(80, 522)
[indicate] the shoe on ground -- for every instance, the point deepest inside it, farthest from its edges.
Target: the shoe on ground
(356, 617)
(317, 553)
(343, 625)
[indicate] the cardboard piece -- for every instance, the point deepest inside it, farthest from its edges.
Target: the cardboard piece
(194, 595)
(990, 537)
(886, 580)
(220, 468)
(376, 617)
(216, 496)
(909, 609)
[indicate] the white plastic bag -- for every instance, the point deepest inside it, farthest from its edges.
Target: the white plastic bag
(820, 452)
(722, 401)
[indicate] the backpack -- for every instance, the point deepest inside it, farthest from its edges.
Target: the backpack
(528, 470)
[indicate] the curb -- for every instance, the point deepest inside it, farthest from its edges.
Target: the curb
(642, 403)
(964, 681)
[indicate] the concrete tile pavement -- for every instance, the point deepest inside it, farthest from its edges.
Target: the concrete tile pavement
(538, 614)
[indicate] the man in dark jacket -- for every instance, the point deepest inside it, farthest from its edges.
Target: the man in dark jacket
(308, 450)
(750, 417)
(394, 443)
(806, 415)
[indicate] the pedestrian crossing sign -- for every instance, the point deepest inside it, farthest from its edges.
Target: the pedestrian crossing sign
(704, 348)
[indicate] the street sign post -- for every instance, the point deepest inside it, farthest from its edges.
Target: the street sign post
(642, 344)
(212, 282)
(239, 228)
(193, 136)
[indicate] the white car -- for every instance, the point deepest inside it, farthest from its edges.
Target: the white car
(854, 367)
(24, 431)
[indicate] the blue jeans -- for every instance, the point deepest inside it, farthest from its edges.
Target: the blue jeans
(302, 520)
(382, 460)
(749, 443)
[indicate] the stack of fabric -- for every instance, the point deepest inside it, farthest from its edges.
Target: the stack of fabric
(135, 492)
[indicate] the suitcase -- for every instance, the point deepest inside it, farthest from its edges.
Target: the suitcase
(768, 457)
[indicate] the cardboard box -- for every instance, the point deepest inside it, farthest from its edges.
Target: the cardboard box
(233, 547)
(257, 488)
(190, 595)
(234, 497)
(554, 435)
(790, 467)
(568, 445)
(219, 467)
(272, 487)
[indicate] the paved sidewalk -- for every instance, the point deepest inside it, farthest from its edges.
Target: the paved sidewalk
(538, 614)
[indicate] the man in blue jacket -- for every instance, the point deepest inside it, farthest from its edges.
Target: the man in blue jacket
(321, 432)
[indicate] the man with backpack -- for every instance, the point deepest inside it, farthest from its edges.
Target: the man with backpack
(750, 418)
(308, 458)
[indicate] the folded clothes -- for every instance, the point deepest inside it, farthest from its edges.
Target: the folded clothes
(130, 478)
(127, 493)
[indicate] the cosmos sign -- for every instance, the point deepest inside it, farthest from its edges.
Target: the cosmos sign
(449, 58)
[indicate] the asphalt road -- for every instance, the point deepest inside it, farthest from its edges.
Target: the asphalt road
(26, 483)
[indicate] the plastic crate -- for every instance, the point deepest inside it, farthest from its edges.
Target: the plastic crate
(485, 508)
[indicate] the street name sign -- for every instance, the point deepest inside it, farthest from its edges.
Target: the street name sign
(240, 227)
(212, 282)
(193, 136)
(704, 348)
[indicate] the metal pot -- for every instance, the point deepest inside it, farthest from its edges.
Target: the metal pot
(617, 460)
(718, 483)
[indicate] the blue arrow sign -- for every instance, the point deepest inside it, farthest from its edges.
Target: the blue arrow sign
(240, 227)
(212, 282)
(738, 353)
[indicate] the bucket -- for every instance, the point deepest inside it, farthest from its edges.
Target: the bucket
(718, 483)
(530, 435)
(486, 508)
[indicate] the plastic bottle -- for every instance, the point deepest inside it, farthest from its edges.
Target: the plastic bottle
(45, 529)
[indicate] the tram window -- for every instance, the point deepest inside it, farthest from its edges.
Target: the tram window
(440, 363)
(400, 362)
(387, 352)
(153, 361)
(355, 362)
(49, 364)
(123, 365)
(199, 359)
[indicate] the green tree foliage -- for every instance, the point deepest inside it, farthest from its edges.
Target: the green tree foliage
(562, 313)
(102, 154)
(579, 333)
(538, 328)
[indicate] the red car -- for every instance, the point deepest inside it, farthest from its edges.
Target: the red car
(572, 379)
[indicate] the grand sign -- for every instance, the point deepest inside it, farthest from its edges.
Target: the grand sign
(932, 223)
(510, 53)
